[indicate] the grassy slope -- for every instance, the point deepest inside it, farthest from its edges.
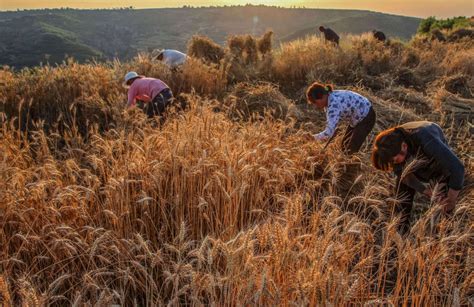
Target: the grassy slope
(28, 40)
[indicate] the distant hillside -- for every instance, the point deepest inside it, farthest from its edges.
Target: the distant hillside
(31, 37)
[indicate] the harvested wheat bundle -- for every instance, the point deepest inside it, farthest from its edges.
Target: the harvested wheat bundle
(391, 113)
(204, 48)
(251, 52)
(248, 100)
(375, 83)
(264, 43)
(453, 107)
(237, 70)
(408, 77)
(460, 84)
(410, 58)
(196, 76)
(408, 98)
(236, 45)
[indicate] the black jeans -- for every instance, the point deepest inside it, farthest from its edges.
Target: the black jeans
(354, 137)
(159, 103)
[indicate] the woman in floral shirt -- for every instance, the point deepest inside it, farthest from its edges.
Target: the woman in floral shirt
(344, 105)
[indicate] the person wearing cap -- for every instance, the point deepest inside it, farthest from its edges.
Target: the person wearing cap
(329, 35)
(424, 141)
(343, 105)
(172, 58)
(155, 93)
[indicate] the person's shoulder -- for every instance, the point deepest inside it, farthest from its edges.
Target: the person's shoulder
(349, 92)
(173, 51)
(335, 99)
(425, 132)
(419, 126)
(342, 93)
(335, 94)
(430, 129)
(138, 81)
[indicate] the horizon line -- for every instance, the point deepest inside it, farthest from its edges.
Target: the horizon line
(293, 7)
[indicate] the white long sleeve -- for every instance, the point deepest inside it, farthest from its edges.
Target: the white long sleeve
(343, 105)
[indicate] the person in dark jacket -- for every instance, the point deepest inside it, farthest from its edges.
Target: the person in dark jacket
(329, 35)
(379, 35)
(425, 142)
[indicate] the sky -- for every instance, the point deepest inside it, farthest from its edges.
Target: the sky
(419, 8)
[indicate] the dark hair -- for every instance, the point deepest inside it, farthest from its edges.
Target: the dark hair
(387, 145)
(317, 90)
(321, 28)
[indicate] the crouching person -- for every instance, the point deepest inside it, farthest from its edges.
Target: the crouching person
(346, 106)
(155, 93)
(329, 35)
(172, 58)
(425, 142)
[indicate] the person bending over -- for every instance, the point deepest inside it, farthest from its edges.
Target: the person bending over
(329, 35)
(424, 141)
(155, 94)
(172, 58)
(346, 106)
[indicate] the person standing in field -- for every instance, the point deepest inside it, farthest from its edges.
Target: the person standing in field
(329, 35)
(424, 142)
(172, 58)
(155, 93)
(343, 105)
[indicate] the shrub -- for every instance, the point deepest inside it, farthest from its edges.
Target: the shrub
(431, 23)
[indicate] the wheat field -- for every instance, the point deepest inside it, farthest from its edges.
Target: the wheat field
(226, 203)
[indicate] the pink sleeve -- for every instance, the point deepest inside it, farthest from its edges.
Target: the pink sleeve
(131, 96)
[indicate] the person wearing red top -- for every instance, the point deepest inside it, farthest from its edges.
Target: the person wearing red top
(155, 93)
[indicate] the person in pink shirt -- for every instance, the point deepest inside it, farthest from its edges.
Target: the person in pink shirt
(155, 94)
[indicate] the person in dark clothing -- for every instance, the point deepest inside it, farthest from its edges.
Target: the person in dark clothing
(329, 35)
(379, 35)
(425, 142)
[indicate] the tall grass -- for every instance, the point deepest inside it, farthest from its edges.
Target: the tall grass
(105, 207)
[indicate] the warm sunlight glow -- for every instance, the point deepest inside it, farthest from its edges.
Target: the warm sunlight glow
(421, 8)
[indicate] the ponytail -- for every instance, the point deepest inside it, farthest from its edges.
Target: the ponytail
(317, 90)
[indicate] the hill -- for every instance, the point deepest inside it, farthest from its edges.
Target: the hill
(31, 37)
